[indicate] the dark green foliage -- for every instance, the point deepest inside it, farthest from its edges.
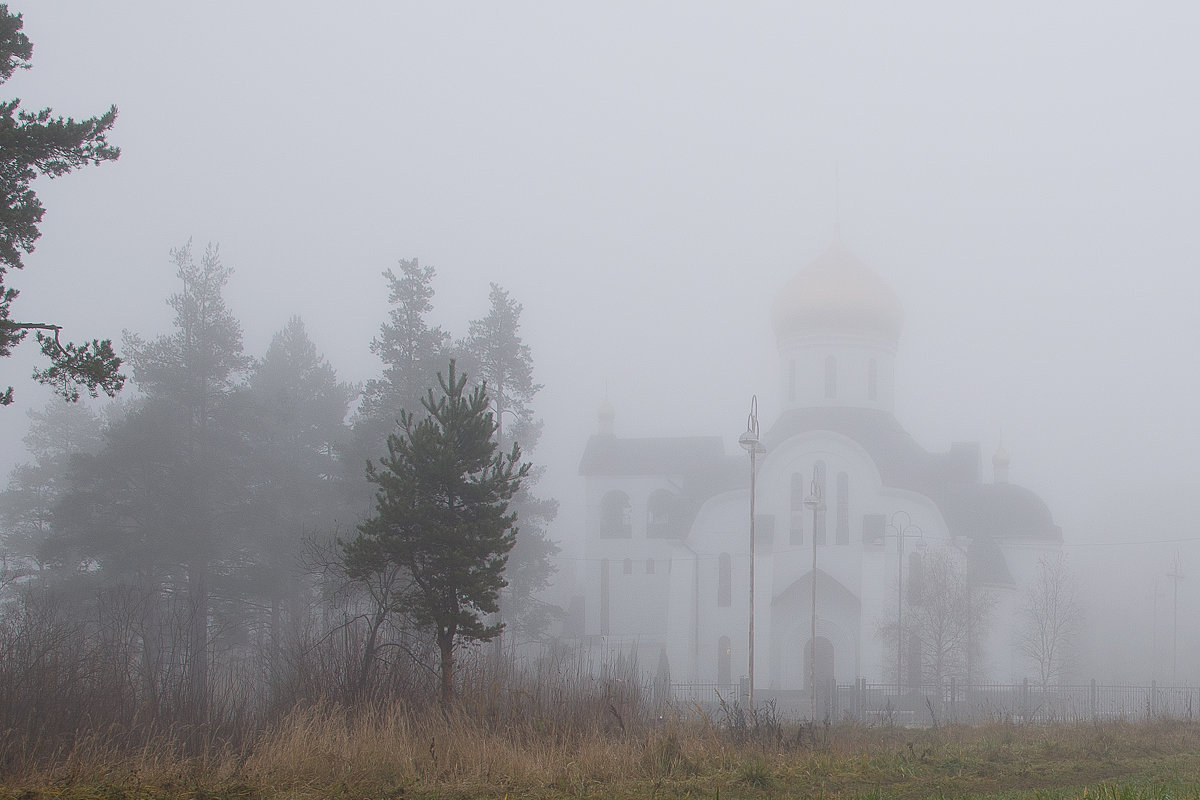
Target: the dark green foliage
(33, 144)
(443, 518)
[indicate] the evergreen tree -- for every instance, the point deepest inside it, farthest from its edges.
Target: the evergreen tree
(442, 516)
(156, 508)
(56, 435)
(497, 353)
(412, 351)
(33, 144)
(500, 357)
(295, 417)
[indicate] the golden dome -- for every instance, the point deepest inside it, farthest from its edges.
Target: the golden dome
(837, 293)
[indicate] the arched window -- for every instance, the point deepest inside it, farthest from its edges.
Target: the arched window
(724, 580)
(659, 512)
(616, 516)
(843, 508)
(796, 529)
(820, 513)
(872, 380)
(830, 376)
(724, 660)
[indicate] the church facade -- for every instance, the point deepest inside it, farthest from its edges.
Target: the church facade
(839, 483)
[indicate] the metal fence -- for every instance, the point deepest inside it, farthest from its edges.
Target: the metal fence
(882, 703)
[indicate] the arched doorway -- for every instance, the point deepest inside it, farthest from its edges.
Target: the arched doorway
(823, 664)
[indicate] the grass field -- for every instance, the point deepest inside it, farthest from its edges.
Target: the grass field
(393, 752)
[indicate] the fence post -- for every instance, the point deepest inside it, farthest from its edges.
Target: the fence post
(1152, 706)
(1025, 699)
(1092, 698)
(953, 696)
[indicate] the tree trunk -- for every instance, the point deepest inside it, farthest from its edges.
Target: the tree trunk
(368, 657)
(445, 639)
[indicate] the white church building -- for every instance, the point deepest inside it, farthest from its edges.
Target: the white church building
(667, 555)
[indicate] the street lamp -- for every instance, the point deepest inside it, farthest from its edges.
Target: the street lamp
(900, 529)
(815, 502)
(750, 443)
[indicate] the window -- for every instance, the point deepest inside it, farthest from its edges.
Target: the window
(830, 376)
(724, 581)
(820, 512)
(796, 531)
(659, 513)
(650, 566)
(843, 508)
(616, 516)
(724, 660)
(627, 566)
(872, 380)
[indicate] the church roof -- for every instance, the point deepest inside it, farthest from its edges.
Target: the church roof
(973, 509)
(950, 479)
(698, 462)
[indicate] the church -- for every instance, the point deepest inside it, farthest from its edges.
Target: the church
(853, 522)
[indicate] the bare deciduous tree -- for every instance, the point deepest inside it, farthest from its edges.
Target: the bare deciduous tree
(1053, 616)
(945, 619)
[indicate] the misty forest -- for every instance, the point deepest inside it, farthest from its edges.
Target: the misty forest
(373, 481)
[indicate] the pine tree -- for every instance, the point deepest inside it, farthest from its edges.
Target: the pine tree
(56, 435)
(33, 144)
(412, 351)
(155, 509)
(500, 357)
(442, 516)
(295, 418)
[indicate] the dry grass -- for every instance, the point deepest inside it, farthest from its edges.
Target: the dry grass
(557, 731)
(392, 750)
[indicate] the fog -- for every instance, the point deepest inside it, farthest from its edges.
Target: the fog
(644, 180)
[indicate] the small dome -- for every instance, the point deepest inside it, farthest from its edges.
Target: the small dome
(837, 293)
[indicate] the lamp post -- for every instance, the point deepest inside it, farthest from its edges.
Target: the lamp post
(813, 501)
(750, 443)
(900, 530)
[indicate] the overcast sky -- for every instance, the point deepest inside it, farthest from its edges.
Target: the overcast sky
(645, 177)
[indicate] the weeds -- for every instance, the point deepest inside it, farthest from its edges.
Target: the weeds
(524, 734)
